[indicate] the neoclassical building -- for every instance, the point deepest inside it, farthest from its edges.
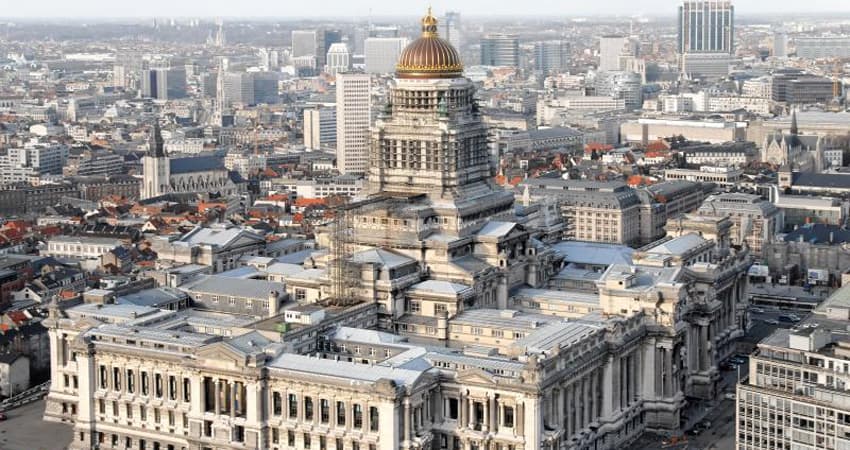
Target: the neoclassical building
(201, 174)
(460, 328)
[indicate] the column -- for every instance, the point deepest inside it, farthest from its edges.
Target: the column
(704, 346)
(485, 424)
(470, 408)
(668, 368)
(461, 406)
(494, 415)
(585, 381)
(217, 396)
(520, 418)
(608, 388)
(649, 375)
(502, 295)
(594, 391)
(568, 410)
(233, 397)
(407, 419)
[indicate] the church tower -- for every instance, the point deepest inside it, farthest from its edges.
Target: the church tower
(156, 167)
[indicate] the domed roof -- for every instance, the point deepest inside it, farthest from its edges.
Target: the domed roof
(429, 56)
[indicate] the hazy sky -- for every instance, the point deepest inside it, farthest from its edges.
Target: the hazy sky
(338, 8)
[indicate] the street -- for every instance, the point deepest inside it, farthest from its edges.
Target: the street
(25, 430)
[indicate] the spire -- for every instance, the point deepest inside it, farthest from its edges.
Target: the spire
(794, 130)
(155, 143)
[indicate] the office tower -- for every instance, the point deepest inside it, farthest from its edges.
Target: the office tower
(353, 102)
(382, 54)
(164, 84)
(304, 43)
(319, 127)
(500, 50)
(452, 29)
(780, 45)
(620, 85)
(383, 31)
(238, 89)
(339, 59)
(251, 88)
(327, 38)
(706, 26)
(119, 76)
(551, 56)
(610, 49)
(815, 47)
(706, 37)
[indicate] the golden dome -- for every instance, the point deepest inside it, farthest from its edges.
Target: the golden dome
(429, 56)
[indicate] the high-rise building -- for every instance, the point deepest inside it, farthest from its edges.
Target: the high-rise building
(319, 127)
(780, 45)
(610, 49)
(28, 163)
(338, 59)
(304, 43)
(814, 47)
(500, 50)
(382, 53)
(452, 29)
(327, 38)
(621, 85)
(706, 26)
(551, 56)
(251, 88)
(164, 84)
(706, 37)
(353, 118)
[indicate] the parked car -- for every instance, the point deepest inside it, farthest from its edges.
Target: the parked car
(3, 416)
(730, 395)
(757, 310)
(771, 321)
(787, 318)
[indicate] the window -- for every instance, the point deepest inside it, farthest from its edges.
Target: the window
(157, 385)
(129, 410)
(293, 406)
(306, 440)
(308, 408)
(116, 378)
(275, 436)
(324, 410)
(131, 381)
(415, 307)
(145, 383)
(373, 418)
(508, 417)
(239, 433)
(290, 438)
(156, 416)
(277, 404)
(172, 387)
(453, 408)
(143, 413)
(101, 406)
(340, 414)
(441, 308)
(208, 428)
(300, 294)
(187, 390)
(358, 416)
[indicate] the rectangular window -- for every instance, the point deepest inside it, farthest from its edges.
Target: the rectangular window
(293, 406)
(290, 438)
(453, 408)
(239, 433)
(172, 387)
(415, 307)
(508, 417)
(307, 441)
(358, 415)
(324, 410)
(275, 436)
(373, 418)
(277, 404)
(340, 414)
(116, 379)
(187, 390)
(308, 408)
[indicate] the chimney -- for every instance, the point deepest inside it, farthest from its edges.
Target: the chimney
(274, 306)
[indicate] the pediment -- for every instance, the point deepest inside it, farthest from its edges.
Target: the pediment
(219, 354)
(476, 376)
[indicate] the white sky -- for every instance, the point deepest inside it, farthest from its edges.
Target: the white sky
(361, 8)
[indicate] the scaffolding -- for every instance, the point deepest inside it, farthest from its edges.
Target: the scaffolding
(343, 272)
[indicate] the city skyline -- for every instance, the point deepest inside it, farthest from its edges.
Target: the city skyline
(382, 8)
